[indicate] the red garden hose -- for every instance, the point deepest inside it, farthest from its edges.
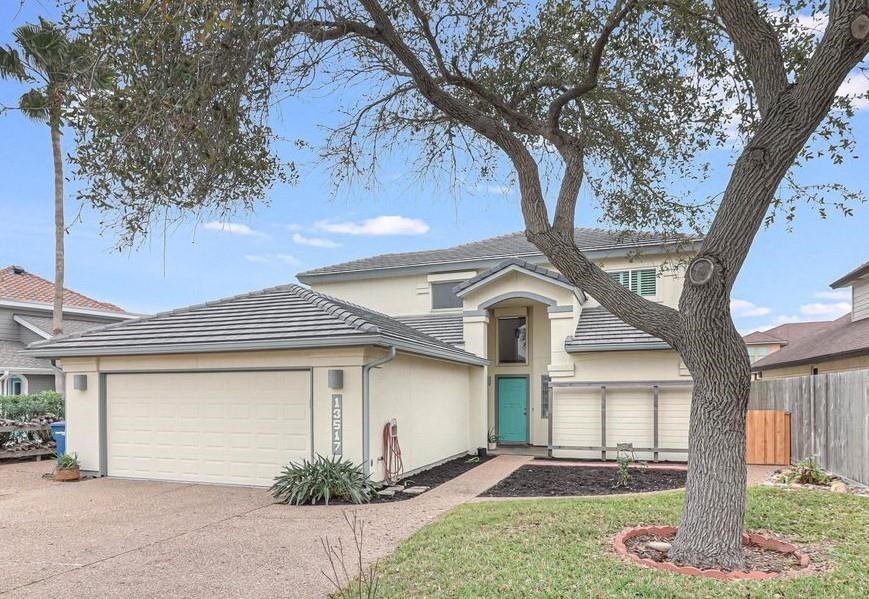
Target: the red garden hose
(393, 467)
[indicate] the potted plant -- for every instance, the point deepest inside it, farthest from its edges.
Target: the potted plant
(493, 439)
(67, 468)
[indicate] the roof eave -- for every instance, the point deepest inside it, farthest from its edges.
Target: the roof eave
(67, 309)
(848, 279)
(756, 367)
(646, 345)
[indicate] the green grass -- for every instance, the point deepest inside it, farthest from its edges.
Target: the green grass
(561, 548)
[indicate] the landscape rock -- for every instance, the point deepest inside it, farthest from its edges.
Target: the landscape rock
(659, 546)
(386, 492)
(418, 490)
(838, 486)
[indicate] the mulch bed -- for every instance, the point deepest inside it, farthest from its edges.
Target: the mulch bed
(757, 559)
(559, 481)
(434, 476)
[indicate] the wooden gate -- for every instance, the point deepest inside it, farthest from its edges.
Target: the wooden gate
(768, 437)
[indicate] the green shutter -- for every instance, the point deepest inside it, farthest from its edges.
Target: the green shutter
(621, 277)
(647, 282)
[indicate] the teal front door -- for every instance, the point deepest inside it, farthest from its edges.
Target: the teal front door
(512, 409)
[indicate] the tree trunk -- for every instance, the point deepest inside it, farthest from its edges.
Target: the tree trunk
(710, 531)
(54, 124)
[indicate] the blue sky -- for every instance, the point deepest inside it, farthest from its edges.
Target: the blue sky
(785, 278)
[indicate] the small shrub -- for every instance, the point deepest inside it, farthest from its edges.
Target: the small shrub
(68, 461)
(623, 473)
(321, 481)
(807, 472)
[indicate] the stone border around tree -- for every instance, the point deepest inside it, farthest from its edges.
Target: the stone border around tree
(747, 539)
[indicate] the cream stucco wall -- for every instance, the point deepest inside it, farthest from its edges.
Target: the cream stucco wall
(439, 404)
(434, 405)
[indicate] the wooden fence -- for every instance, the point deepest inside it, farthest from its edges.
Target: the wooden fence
(829, 418)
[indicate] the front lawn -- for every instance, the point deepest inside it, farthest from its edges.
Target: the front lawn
(561, 548)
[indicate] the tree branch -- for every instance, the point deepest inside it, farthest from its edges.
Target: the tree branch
(757, 42)
(589, 82)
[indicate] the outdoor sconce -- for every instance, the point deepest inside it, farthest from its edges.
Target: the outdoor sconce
(336, 378)
(80, 382)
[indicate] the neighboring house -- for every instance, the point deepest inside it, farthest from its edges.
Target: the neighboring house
(760, 344)
(842, 344)
(450, 343)
(26, 302)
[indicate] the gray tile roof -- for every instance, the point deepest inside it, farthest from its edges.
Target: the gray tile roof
(449, 328)
(551, 274)
(11, 358)
(599, 330)
(289, 316)
(45, 324)
(842, 337)
(512, 245)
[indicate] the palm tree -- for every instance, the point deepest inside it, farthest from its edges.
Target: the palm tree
(58, 66)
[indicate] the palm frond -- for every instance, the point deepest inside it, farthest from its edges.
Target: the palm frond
(45, 46)
(11, 66)
(34, 105)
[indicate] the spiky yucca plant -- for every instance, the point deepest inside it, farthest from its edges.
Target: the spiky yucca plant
(321, 481)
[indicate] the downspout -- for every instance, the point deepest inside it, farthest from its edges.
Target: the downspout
(366, 405)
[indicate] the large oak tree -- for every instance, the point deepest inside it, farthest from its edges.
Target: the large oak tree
(625, 97)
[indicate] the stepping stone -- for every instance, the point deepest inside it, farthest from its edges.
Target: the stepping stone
(394, 488)
(386, 493)
(415, 490)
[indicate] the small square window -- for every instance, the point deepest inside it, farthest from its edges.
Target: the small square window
(443, 296)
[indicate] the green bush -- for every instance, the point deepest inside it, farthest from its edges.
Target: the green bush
(30, 407)
(807, 472)
(321, 481)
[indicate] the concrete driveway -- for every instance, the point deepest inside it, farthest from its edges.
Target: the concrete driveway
(113, 537)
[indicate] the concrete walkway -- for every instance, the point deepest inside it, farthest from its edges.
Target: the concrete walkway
(113, 537)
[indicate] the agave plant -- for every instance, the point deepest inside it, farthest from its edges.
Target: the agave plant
(68, 461)
(321, 481)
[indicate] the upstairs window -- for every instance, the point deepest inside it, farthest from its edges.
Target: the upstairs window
(443, 296)
(642, 282)
(512, 340)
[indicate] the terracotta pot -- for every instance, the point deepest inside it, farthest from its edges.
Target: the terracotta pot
(67, 474)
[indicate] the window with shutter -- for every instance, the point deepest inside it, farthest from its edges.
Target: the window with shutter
(642, 282)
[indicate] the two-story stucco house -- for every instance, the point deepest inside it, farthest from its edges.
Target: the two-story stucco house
(450, 344)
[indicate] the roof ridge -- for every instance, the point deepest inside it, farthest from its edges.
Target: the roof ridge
(328, 304)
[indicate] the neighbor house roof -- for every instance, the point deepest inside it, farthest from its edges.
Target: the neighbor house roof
(42, 325)
(12, 359)
(600, 330)
(785, 333)
(449, 328)
(16, 284)
(840, 338)
(482, 253)
(289, 316)
(848, 279)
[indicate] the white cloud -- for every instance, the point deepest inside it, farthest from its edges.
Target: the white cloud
(380, 225)
(746, 309)
(234, 228)
(286, 259)
(317, 242)
(837, 295)
(826, 310)
(294, 227)
(501, 190)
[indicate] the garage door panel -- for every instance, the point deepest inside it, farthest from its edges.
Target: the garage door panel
(228, 427)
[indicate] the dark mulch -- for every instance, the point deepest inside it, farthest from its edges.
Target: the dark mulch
(434, 476)
(558, 481)
(757, 559)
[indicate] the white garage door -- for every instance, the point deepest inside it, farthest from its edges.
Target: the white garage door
(223, 427)
(576, 421)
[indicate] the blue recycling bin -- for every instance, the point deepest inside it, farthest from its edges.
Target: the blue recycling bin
(58, 431)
